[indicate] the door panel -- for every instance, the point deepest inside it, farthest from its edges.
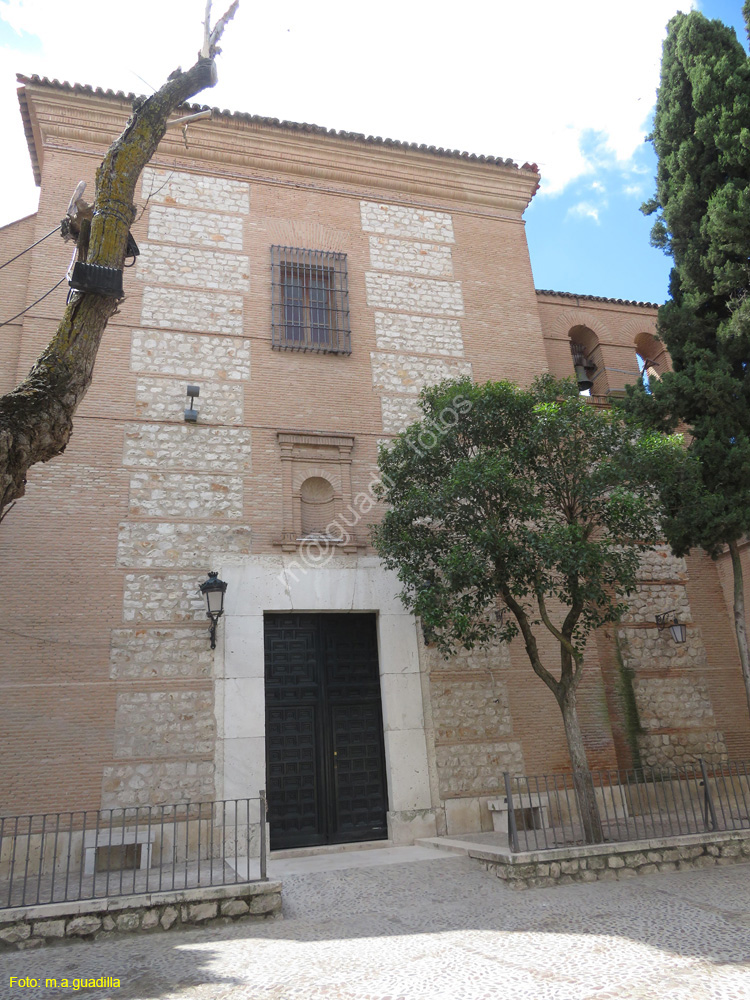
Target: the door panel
(324, 730)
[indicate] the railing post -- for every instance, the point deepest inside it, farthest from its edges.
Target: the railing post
(512, 829)
(708, 803)
(263, 848)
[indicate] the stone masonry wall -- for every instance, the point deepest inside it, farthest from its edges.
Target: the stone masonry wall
(164, 723)
(398, 412)
(471, 721)
(676, 723)
(182, 265)
(148, 653)
(416, 258)
(203, 191)
(419, 295)
(186, 483)
(418, 334)
(167, 544)
(59, 923)
(413, 313)
(408, 373)
(172, 597)
(166, 399)
(406, 222)
(185, 494)
(158, 783)
(616, 863)
(190, 356)
(178, 225)
(188, 446)
(181, 309)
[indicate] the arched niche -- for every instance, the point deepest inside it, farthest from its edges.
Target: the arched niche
(587, 359)
(317, 506)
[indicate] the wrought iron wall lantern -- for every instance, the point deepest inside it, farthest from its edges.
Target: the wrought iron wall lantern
(213, 589)
(678, 630)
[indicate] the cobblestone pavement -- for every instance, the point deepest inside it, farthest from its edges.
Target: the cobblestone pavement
(441, 929)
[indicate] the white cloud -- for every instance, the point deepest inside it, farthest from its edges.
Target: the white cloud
(478, 77)
(584, 210)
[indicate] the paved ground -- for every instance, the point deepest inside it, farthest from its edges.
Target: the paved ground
(437, 927)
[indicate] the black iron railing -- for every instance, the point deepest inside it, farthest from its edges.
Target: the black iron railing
(88, 854)
(550, 811)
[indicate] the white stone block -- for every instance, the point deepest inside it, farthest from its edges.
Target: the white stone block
(144, 544)
(406, 221)
(244, 767)
(399, 412)
(244, 650)
(207, 191)
(402, 702)
(192, 356)
(162, 597)
(397, 639)
(418, 334)
(406, 373)
(406, 761)
(185, 494)
(244, 707)
(188, 446)
(404, 293)
(413, 258)
(181, 309)
(193, 268)
(178, 225)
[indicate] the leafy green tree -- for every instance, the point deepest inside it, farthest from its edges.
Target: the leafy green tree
(701, 136)
(531, 498)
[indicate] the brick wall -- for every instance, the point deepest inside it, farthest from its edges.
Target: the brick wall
(106, 643)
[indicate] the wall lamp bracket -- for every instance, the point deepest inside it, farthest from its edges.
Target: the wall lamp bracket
(191, 414)
(677, 629)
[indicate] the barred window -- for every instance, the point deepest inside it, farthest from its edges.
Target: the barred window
(309, 301)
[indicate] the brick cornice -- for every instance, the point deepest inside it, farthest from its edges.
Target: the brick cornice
(230, 143)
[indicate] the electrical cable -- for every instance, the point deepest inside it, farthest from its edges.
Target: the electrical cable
(29, 248)
(5, 323)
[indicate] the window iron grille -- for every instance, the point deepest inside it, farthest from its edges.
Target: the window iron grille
(309, 301)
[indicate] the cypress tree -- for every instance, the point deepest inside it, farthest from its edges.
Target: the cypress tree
(701, 136)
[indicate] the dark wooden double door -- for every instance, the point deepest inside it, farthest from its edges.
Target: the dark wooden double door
(324, 730)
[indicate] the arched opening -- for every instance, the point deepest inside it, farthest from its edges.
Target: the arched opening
(588, 364)
(318, 507)
(652, 357)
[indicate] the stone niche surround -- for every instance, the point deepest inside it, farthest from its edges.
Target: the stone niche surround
(357, 584)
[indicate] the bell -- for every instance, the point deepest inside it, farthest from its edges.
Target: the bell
(584, 382)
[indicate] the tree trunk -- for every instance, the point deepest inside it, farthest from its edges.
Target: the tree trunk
(740, 625)
(36, 418)
(582, 780)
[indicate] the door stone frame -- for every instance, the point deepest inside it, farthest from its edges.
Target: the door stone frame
(261, 584)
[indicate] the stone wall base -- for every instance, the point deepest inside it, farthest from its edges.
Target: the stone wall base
(58, 923)
(612, 862)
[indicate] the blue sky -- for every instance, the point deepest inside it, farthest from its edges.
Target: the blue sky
(570, 86)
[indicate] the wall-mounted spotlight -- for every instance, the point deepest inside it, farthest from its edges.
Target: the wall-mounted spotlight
(191, 414)
(678, 630)
(213, 589)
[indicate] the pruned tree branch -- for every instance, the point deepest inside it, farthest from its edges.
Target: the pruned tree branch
(210, 47)
(36, 418)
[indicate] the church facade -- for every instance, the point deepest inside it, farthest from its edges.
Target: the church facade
(308, 284)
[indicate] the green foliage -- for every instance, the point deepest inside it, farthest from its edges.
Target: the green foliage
(702, 139)
(533, 496)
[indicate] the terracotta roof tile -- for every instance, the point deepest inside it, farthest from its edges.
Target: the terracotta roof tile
(77, 88)
(597, 298)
